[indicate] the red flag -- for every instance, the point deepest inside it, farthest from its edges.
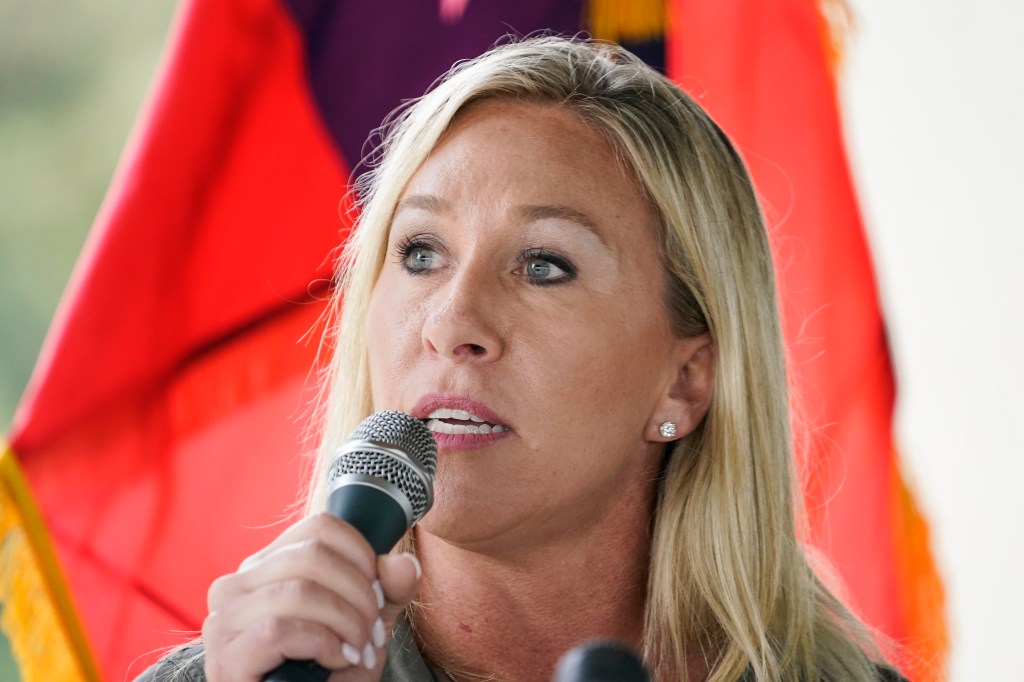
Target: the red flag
(164, 415)
(762, 70)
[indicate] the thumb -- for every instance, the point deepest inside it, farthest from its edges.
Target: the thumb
(399, 576)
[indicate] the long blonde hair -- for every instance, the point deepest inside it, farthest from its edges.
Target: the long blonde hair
(728, 578)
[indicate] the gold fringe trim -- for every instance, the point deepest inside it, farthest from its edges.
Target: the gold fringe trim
(926, 648)
(626, 20)
(38, 618)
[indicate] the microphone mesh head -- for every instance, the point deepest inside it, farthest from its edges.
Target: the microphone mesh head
(395, 431)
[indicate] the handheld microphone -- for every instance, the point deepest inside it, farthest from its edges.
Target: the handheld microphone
(601, 661)
(381, 482)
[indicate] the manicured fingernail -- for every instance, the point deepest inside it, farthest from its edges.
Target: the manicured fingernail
(380, 594)
(350, 653)
(369, 657)
(378, 633)
(416, 563)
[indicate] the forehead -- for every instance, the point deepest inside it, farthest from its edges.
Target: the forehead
(533, 131)
(505, 152)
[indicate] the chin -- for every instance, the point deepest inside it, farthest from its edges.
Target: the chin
(453, 530)
(466, 520)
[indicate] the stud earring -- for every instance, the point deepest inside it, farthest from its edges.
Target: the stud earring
(667, 430)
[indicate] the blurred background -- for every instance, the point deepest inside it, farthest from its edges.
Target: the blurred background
(932, 96)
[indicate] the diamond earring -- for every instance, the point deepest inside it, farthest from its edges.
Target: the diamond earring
(667, 430)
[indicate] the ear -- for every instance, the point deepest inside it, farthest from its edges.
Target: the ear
(687, 394)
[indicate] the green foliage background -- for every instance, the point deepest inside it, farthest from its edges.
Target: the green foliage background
(73, 76)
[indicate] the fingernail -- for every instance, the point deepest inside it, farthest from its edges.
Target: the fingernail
(369, 657)
(416, 563)
(378, 633)
(380, 594)
(350, 653)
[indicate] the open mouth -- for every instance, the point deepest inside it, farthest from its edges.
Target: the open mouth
(460, 422)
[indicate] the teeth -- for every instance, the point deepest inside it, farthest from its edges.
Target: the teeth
(460, 429)
(445, 413)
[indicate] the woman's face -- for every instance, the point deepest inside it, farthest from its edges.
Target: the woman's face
(520, 310)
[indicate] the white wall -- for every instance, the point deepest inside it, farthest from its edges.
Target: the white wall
(934, 106)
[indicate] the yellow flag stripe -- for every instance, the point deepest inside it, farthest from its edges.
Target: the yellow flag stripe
(626, 20)
(39, 618)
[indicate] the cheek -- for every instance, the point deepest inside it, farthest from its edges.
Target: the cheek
(614, 351)
(393, 331)
(610, 375)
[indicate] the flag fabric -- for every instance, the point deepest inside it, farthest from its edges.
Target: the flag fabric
(161, 437)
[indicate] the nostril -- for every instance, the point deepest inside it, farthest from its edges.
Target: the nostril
(466, 349)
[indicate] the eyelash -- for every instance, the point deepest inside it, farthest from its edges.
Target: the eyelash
(558, 261)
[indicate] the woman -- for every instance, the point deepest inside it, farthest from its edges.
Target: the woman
(560, 265)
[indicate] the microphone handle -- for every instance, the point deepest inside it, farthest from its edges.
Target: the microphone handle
(373, 512)
(381, 520)
(298, 671)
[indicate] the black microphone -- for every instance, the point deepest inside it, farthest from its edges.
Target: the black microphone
(601, 660)
(382, 483)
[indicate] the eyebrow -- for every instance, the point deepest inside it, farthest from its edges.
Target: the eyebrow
(424, 202)
(528, 213)
(533, 213)
(549, 212)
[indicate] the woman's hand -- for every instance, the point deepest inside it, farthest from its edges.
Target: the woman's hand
(316, 592)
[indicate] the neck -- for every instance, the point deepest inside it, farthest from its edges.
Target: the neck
(511, 619)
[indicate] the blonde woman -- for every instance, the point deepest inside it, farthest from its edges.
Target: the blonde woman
(561, 267)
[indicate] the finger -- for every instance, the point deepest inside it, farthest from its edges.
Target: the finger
(399, 579)
(311, 560)
(321, 528)
(300, 600)
(259, 649)
(332, 530)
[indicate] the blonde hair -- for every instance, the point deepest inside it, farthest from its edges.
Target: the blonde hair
(728, 578)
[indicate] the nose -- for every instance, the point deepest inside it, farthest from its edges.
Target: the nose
(461, 324)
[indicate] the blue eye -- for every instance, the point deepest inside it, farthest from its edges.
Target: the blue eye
(419, 259)
(544, 269)
(418, 256)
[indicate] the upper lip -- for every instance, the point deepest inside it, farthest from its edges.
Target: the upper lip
(435, 401)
